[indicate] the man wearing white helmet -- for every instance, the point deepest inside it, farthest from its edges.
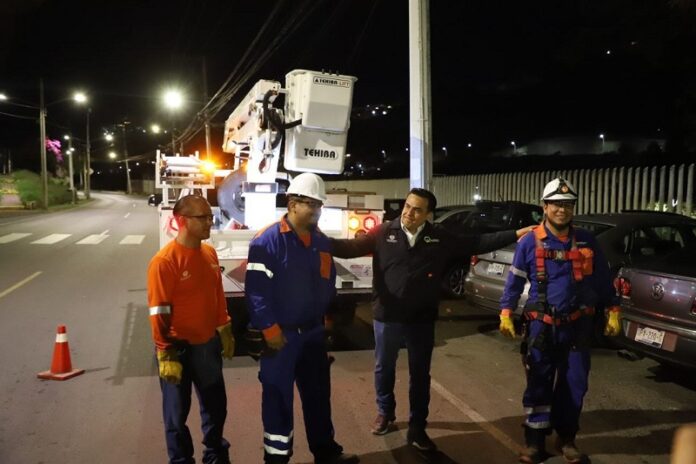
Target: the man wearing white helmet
(569, 278)
(290, 282)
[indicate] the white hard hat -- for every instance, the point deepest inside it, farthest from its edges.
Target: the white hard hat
(559, 189)
(308, 185)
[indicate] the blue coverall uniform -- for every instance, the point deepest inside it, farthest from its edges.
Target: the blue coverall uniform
(557, 351)
(290, 283)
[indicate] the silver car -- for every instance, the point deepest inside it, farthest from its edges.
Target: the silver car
(621, 236)
(658, 305)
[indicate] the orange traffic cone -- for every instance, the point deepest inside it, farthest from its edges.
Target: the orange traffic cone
(61, 367)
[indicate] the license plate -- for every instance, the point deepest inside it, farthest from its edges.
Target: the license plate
(495, 268)
(649, 336)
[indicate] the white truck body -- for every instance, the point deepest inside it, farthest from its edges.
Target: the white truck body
(317, 106)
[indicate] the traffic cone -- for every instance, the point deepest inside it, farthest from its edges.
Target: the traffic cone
(61, 367)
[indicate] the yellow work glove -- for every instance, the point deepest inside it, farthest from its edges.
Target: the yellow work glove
(506, 328)
(613, 327)
(169, 366)
(227, 340)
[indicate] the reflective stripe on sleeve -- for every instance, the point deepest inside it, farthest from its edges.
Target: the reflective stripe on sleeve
(518, 272)
(259, 267)
(279, 438)
(155, 310)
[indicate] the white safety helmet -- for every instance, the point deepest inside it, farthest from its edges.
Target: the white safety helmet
(308, 185)
(559, 189)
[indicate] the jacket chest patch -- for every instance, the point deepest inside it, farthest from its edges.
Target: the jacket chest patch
(429, 239)
(391, 238)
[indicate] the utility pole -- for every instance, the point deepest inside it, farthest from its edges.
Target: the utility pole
(89, 168)
(123, 125)
(421, 152)
(205, 112)
(70, 169)
(42, 130)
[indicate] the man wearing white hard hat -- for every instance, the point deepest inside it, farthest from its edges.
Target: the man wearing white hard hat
(290, 281)
(569, 278)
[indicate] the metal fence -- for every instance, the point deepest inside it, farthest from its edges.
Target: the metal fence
(602, 190)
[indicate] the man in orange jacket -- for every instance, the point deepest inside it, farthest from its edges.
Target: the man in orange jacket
(192, 331)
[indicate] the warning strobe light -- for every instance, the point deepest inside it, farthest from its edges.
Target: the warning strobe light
(369, 223)
(353, 223)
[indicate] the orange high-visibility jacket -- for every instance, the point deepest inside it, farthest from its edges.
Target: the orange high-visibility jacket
(185, 295)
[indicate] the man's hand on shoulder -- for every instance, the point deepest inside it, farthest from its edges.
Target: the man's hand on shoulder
(524, 231)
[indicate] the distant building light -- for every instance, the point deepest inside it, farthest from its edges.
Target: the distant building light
(468, 145)
(608, 52)
(374, 112)
(384, 112)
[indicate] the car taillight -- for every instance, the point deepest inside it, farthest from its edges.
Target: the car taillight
(474, 260)
(369, 223)
(622, 286)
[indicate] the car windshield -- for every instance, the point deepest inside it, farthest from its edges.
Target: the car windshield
(594, 227)
(678, 262)
(489, 217)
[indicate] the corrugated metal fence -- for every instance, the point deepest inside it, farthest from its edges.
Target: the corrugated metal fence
(602, 190)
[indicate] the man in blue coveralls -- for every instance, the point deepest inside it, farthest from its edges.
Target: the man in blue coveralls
(569, 278)
(290, 282)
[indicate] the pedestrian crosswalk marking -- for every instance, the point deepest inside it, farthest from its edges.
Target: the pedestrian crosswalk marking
(94, 239)
(12, 237)
(51, 239)
(132, 240)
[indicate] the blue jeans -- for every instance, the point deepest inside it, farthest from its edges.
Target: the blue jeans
(389, 338)
(202, 368)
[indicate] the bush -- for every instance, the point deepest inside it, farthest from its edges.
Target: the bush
(28, 185)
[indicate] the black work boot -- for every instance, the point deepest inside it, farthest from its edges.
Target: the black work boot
(535, 449)
(565, 444)
(420, 440)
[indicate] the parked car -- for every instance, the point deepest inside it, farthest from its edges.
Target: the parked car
(483, 217)
(622, 236)
(658, 304)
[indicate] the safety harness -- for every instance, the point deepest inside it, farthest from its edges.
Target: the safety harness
(574, 255)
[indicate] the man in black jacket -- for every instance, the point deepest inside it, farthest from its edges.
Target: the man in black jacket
(409, 257)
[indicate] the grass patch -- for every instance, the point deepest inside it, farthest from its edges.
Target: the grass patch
(28, 185)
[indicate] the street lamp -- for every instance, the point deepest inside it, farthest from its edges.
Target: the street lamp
(155, 128)
(445, 150)
(601, 136)
(173, 100)
(81, 99)
(112, 155)
(70, 167)
(123, 125)
(514, 146)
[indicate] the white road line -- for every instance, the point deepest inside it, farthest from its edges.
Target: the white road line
(503, 438)
(126, 216)
(51, 239)
(19, 284)
(92, 239)
(12, 237)
(105, 232)
(132, 240)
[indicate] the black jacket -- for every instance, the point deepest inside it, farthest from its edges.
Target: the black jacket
(407, 281)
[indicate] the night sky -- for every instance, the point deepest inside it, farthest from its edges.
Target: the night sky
(501, 70)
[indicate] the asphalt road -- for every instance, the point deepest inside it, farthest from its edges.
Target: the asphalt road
(91, 278)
